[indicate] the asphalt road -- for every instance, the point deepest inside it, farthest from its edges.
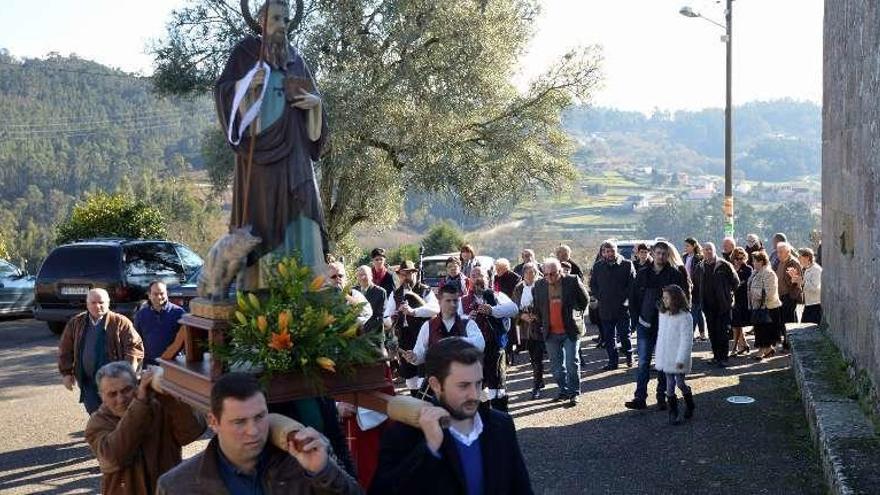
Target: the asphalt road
(597, 447)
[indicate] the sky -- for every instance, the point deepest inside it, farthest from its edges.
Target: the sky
(654, 58)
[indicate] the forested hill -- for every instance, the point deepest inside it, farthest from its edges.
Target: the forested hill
(773, 141)
(71, 126)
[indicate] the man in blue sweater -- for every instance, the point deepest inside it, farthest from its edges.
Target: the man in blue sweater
(477, 453)
(156, 322)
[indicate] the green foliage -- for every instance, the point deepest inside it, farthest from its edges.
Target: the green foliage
(419, 96)
(112, 215)
(443, 237)
(299, 326)
(679, 219)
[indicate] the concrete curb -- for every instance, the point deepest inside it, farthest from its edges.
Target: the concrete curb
(848, 445)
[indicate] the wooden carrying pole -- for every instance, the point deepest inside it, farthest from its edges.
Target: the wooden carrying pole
(401, 408)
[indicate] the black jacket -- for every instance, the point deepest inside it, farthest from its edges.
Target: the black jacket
(648, 291)
(717, 282)
(574, 302)
(611, 284)
(407, 466)
(376, 296)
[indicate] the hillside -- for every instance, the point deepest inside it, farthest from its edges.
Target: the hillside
(74, 126)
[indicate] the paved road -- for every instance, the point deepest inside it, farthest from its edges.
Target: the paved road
(596, 447)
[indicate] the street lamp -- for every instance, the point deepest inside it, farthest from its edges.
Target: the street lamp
(728, 127)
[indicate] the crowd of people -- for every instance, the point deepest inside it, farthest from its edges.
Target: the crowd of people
(450, 346)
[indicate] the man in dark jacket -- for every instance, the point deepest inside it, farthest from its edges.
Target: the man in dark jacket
(376, 297)
(646, 297)
(560, 303)
(381, 274)
(240, 458)
(718, 280)
(478, 453)
(611, 283)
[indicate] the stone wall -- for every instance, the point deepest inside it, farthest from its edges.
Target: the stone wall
(851, 180)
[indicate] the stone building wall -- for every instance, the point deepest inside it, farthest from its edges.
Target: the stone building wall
(851, 180)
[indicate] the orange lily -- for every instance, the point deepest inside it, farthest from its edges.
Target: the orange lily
(282, 269)
(262, 323)
(351, 332)
(281, 341)
(317, 283)
(284, 320)
(327, 319)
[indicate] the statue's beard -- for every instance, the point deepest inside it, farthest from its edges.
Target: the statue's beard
(277, 49)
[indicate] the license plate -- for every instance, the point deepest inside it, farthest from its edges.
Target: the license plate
(75, 290)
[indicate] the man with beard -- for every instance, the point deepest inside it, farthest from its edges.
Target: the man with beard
(381, 275)
(130, 461)
(492, 312)
(408, 308)
(644, 302)
(478, 452)
(276, 143)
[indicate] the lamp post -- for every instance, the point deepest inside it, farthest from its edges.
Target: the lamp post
(728, 111)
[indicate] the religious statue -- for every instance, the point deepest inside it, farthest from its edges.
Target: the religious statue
(272, 113)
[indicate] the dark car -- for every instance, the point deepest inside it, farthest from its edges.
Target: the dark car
(16, 290)
(124, 267)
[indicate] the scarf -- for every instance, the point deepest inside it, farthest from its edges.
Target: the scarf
(379, 275)
(527, 299)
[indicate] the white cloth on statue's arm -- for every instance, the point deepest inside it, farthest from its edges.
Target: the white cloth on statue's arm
(315, 121)
(366, 309)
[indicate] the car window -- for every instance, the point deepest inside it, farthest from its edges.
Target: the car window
(191, 261)
(7, 269)
(434, 268)
(149, 261)
(92, 262)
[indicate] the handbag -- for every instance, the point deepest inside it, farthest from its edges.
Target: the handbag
(761, 315)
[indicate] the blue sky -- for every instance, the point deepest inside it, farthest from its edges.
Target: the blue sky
(654, 57)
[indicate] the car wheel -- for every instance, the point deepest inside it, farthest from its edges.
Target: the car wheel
(57, 327)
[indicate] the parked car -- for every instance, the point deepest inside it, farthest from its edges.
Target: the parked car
(16, 290)
(183, 293)
(434, 268)
(124, 267)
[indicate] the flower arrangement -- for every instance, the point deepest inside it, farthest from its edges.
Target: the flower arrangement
(300, 325)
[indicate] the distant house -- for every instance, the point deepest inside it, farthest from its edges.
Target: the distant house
(638, 203)
(703, 193)
(683, 179)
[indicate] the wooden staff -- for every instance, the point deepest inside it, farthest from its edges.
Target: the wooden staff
(250, 159)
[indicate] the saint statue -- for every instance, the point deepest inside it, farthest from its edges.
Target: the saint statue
(272, 113)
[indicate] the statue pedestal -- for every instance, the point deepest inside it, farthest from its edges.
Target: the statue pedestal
(190, 377)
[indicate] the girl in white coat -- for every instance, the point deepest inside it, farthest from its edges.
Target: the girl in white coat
(674, 344)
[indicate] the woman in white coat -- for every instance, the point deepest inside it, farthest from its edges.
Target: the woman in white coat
(673, 351)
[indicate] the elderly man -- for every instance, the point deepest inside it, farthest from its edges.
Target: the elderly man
(131, 461)
(718, 280)
(788, 271)
(156, 322)
(611, 282)
(376, 297)
(92, 339)
(728, 244)
(563, 254)
(337, 280)
(407, 309)
(240, 458)
(560, 302)
(505, 279)
(527, 256)
(492, 312)
(774, 254)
